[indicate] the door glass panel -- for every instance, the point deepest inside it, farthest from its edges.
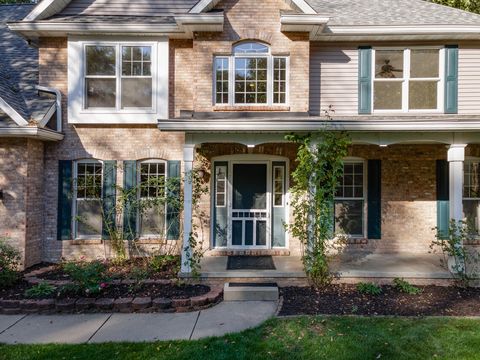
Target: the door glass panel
(249, 186)
(236, 232)
(249, 232)
(261, 233)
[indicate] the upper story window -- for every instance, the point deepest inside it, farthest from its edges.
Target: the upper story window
(407, 80)
(251, 76)
(118, 77)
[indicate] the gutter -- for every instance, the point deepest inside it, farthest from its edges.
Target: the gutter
(31, 132)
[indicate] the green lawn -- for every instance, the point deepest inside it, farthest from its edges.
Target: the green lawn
(300, 338)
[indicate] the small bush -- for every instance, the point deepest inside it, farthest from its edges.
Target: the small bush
(40, 291)
(405, 287)
(90, 277)
(369, 288)
(9, 261)
(70, 290)
(159, 263)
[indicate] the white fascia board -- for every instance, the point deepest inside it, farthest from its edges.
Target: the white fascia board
(200, 22)
(14, 115)
(401, 29)
(31, 132)
(310, 125)
(46, 8)
(308, 23)
(205, 5)
(52, 28)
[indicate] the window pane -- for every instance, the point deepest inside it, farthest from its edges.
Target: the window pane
(100, 60)
(423, 95)
(153, 221)
(137, 93)
(101, 93)
(136, 60)
(261, 233)
(389, 64)
(388, 95)
(250, 48)
(349, 217)
(89, 218)
(424, 63)
(471, 213)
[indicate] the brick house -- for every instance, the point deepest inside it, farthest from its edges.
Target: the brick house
(129, 91)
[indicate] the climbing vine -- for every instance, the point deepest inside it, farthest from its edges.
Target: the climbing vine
(316, 177)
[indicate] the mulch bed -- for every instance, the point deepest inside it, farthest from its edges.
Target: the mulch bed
(346, 300)
(118, 291)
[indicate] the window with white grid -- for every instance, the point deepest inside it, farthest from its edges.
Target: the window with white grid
(471, 195)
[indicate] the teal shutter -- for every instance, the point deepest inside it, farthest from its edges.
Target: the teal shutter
(64, 209)
(443, 198)
(374, 205)
(129, 208)
(173, 198)
(278, 212)
(365, 80)
(451, 79)
(109, 197)
(220, 212)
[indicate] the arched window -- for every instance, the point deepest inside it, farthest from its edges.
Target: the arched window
(251, 76)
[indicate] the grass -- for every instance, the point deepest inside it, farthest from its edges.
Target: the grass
(295, 338)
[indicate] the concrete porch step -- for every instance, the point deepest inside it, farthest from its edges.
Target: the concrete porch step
(250, 291)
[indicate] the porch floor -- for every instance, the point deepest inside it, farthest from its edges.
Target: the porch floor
(349, 265)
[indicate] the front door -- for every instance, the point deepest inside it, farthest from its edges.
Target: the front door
(250, 210)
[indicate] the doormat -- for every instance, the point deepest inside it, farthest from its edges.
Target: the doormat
(250, 263)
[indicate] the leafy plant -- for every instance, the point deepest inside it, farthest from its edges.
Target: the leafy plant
(70, 290)
(468, 5)
(458, 259)
(9, 261)
(41, 290)
(316, 178)
(369, 289)
(159, 263)
(89, 276)
(405, 287)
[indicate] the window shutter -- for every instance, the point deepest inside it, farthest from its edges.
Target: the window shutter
(129, 209)
(451, 79)
(443, 198)
(173, 215)
(109, 197)
(64, 210)
(365, 80)
(374, 199)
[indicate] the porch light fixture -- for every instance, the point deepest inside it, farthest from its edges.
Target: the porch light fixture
(251, 146)
(383, 145)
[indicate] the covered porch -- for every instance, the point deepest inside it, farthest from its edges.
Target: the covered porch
(419, 186)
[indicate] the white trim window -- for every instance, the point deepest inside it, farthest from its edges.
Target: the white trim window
(350, 200)
(87, 199)
(251, 76)
(408, 80)
(221, 186)
(152, 177)
(471, 196)
(119, 77)
(278, 186)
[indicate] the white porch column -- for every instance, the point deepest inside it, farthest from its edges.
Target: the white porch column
(456, 157)
(188, 153)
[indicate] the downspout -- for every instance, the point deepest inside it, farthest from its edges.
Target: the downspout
(58, 103)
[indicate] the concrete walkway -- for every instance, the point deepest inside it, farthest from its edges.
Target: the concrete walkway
(227, 317)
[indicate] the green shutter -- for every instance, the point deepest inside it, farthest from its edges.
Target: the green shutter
(130, 193)
(173, 197)
(443, 199)
(220, 213)
(64, 210)
(451, 79)
(109, 197)
(365, 80)
(374, 213)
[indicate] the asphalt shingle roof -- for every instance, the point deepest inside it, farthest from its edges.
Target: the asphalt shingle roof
(19, 69)
(392, 12)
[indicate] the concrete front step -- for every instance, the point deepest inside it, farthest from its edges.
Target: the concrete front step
(250, 292)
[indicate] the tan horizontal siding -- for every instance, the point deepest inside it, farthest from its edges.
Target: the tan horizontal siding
(469, 80)
(128, 7)
(333, 79)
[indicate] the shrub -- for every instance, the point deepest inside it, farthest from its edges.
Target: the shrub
(41, 290)
(9, 261)
(369, 288)
(160, 263)
(89, 276)
(405, 287)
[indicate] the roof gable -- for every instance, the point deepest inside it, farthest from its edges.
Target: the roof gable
(206, 5)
